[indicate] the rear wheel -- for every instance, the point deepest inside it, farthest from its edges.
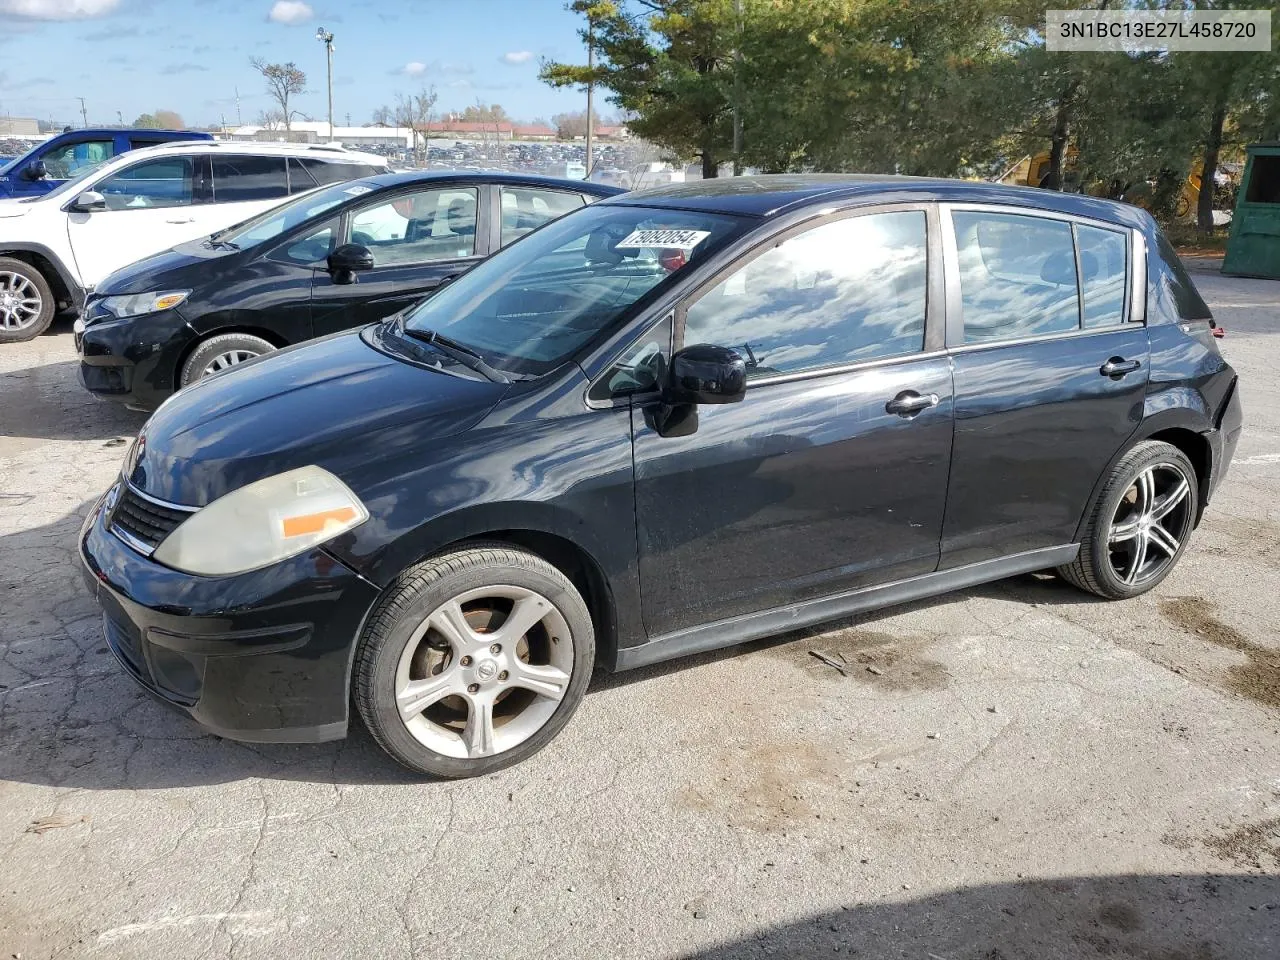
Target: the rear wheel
(26, 301)
(473, 661)
(1140, 523)
(221, 353)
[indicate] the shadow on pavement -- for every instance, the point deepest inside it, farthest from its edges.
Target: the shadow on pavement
(47, 402)
(1163, 917)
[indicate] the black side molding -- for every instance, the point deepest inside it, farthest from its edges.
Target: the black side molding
(751, 626)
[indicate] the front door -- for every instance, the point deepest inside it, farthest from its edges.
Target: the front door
(832, 473)
(1050, 375)
(418, 238)
(151, 206)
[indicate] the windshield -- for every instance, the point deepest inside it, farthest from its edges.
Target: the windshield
(269, 225)
(531, 307)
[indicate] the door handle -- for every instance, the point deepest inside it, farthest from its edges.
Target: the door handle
(187, 220)
(1118, 366)
(908, 403)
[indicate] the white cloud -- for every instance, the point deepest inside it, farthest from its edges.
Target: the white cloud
(57, 9)
(517, 56)
(415, 69)
(290, 12)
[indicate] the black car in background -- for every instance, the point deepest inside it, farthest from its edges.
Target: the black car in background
(338, 257)
(669, 422)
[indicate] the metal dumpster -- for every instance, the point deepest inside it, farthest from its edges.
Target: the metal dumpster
(1253, 248)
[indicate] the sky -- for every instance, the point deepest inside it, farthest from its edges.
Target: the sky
(128, 57)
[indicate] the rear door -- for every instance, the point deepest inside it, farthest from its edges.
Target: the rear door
(419, 238)
(832, 473)
(1045, 327)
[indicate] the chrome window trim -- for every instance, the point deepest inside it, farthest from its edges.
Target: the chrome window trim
(1135, 299)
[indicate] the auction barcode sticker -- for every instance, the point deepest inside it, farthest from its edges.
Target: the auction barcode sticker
(670, 239)
(1140, 31)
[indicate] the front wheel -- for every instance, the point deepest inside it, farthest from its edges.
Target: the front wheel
(26, 301)
(220, 353)
(473, 661)
(1140, 523)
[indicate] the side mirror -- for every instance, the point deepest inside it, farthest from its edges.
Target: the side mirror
(349, 259)
(89, 201)
(35, 170)
(704, 373)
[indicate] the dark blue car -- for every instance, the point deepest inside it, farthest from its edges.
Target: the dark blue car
(70, 154)
(668, 422)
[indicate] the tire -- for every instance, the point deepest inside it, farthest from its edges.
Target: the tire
(1136, 532)
(220, 353)
(410, 656)
(26, 301)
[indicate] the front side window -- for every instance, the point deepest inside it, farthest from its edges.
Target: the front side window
(1017, 276)
(525, 209)
(73, 159)
(418, 227)
(244, 179)
(312, 246)
(163, 182)
(534, 305)
(843, 292)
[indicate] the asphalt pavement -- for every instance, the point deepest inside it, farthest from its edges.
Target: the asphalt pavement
(1014, 771)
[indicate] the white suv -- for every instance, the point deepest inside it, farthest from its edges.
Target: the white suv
(55, 248)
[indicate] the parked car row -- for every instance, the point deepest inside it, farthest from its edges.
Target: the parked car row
(56, 247)
(663, 423)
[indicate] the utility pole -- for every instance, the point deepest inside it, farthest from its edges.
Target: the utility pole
(325, 37)
(239, 122)
(591, 83)
(737, 92)
(84, 114)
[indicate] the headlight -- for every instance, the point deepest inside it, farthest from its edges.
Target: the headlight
(136, 304)
(262, 523)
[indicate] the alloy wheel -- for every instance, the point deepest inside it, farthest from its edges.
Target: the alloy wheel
(484, 671)
(1150, 524)
(20, 301)
(225, 361)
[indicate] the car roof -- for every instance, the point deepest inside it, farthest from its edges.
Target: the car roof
(771, 195)
(383, 180)
(146, 131)
(322, 151)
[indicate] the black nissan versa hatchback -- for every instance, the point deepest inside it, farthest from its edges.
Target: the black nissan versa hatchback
(668, 422)
(335, 258)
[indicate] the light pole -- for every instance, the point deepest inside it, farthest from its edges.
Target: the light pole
(325, 37)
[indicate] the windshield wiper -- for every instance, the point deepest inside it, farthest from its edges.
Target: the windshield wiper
(456, 351)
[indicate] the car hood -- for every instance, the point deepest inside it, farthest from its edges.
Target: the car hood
(183, 267)
(335, 402)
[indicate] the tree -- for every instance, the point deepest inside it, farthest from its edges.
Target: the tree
(676, 84)
(415, 113)
(283, 80)
(271, 119)
(570, 125)
(384, 116)
(160, 120)
(479, 113)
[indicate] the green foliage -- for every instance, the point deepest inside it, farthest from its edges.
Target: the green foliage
(937, 87)
(160, 120)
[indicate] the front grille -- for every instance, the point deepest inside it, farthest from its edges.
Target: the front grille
(144, 523)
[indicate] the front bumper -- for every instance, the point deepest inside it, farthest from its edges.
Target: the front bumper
(262, 656)
(134, 360)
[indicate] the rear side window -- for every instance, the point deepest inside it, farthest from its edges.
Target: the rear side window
(845, 291)
(1103, 263)
(242, 179)
(525, 210)
(300, 181)
(327, 172)
(1017, 276)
